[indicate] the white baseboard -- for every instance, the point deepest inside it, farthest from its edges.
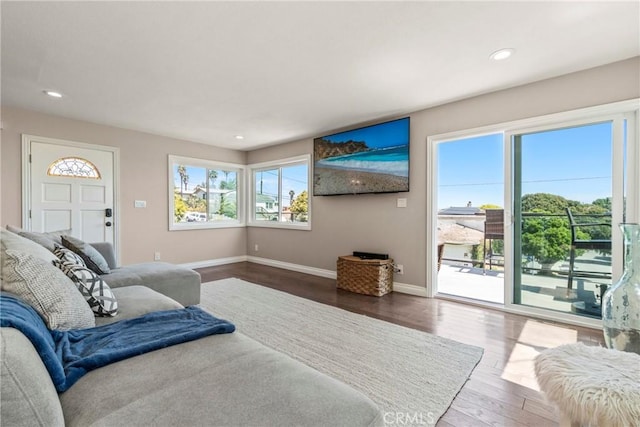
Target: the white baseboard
(403, 288)
(215, 262)
(329, 274)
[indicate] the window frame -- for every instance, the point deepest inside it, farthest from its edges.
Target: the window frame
(304, 159)
(240, 170)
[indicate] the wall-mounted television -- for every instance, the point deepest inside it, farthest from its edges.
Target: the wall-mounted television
(371, 159)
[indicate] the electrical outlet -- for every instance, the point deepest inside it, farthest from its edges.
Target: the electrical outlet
(399, 269)
(255, 248)
(156, 256)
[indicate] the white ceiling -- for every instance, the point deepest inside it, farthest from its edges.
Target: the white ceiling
(281, 71)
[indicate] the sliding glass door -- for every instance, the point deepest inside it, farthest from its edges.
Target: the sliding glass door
(470, 197)
(531, 211)
(565, 185)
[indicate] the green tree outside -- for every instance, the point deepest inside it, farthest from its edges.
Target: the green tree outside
(300, 207)
(228, 206)
(548, 238)
(179, 208)
(196, 204)
(490, 206)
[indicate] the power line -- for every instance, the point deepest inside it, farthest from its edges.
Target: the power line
(527, 182)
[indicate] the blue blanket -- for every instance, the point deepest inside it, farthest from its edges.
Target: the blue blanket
(68, 355)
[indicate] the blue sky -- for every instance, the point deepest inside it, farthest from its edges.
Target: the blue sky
(197, 177)
(574, 163)
(388, 134)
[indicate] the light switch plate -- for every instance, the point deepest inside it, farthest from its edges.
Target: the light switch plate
(401, 202)
(140, 204)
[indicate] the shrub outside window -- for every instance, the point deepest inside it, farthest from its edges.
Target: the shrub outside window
(280, 194)
(204, 194)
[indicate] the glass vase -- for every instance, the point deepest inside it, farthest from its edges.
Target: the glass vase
(621, 302)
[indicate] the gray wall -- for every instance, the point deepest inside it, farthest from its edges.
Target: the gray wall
(143, 176)
(342, 224)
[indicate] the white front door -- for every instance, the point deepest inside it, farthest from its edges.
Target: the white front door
(71, 187)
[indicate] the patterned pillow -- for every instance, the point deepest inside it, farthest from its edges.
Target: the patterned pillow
(47, 290)
(92, 258)
(65, 254)
(94, 290)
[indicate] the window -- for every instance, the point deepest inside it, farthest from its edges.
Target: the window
(204, 194)
(280, 194)
(73, 167)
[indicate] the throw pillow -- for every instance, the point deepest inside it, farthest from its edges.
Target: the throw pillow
(14, 242)
(14, 230)
(92, 258)
(48, 240)
(94, 290)
(39, 239)
(52, 294)
(65, 254)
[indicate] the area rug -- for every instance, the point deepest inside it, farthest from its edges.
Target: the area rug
(413, 376)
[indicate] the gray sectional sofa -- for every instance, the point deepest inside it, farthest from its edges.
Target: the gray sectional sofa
(179, 283)
(219, 380)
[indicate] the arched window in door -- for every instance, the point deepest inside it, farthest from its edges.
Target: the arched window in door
(73, 167)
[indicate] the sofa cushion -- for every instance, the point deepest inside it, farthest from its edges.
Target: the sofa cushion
(134, 301)
(228, 380)
(179, 283)
(52, 294)
(92, 287)
(88, 253)
(28, 395)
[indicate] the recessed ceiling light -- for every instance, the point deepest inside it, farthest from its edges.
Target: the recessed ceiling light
(53, 93)
(239, 137)
(501, 54)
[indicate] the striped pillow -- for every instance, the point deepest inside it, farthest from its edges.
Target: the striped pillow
(68, 255)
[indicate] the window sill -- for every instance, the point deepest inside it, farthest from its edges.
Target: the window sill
(274, 224)
(205, 226)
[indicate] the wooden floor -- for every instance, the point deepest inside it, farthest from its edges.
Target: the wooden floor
(501, 391)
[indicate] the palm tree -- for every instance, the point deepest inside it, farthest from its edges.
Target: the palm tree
(291, 194)
(184, 178)
(213, 175)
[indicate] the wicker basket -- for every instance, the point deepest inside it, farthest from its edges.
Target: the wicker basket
(365, 276)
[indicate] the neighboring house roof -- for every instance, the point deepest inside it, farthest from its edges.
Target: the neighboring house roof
(264, 198)
(461, 210)
(200, 190)
(459, 234)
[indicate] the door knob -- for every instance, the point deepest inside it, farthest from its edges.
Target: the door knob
(108, 223)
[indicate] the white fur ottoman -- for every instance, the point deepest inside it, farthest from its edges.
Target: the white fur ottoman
(592, 386)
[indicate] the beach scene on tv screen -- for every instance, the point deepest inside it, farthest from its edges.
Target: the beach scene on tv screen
(373, 159)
